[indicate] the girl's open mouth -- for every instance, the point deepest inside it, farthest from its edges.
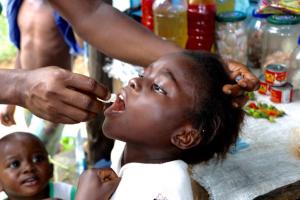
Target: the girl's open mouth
(119, 105)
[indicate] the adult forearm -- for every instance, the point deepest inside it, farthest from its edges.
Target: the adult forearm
(10, 82)
(112, 32)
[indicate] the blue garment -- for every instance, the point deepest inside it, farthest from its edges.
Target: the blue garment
(65, 29)
(67, 32)
(13, 7)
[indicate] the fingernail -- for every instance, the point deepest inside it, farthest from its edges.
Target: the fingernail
(235, 105)
(228, 91)
(238, 78)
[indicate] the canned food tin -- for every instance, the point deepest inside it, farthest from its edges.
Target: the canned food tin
(282, 94)
(264, 87)
(276, 75)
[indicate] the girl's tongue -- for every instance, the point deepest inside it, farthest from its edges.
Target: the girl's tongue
(119, 104)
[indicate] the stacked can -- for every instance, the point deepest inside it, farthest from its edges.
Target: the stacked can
(274, 83)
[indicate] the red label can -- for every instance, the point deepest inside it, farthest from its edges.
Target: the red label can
(276, 75)
(282, 94)
(264, 87)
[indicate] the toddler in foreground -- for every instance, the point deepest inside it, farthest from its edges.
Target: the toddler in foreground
(25, 171)
(173, 115)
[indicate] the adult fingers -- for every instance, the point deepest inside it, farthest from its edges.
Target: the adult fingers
(240, 101)
(82, 101)
(233, 90)
(87, 85)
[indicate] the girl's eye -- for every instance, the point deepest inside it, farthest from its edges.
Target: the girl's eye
(141, 75)
(14, 164)
(38, 158)
(158, 89)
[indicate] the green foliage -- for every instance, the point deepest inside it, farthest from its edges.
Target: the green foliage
(7, 50)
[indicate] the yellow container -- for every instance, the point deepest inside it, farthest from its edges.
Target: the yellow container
(225, 5)
(170, 21)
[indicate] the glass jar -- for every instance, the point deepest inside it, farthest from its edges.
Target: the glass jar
(255, 29)
(294, 70)
(170, 20)
(231, 36)
(280, 39)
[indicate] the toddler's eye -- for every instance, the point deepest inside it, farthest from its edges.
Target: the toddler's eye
(14, 164)
(141, 75)
(38, 158)
(158, 89)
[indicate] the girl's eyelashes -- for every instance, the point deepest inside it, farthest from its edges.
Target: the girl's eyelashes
(158, 89)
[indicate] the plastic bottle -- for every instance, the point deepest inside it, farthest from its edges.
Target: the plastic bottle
(225, 5)
(294, 70)
(241, 5)
(201, 24)
(170, 20)
(147, 14)
(252, 6)
(79, 154)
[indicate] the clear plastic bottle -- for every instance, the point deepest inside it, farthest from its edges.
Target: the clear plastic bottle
(79, 154)
(201, 24)
(294, 70)
(170, 20)
(280, 39)
(252, 6)
(231, 36)
(147, 14)
(255, 28)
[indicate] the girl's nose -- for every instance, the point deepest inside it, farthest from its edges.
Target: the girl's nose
(134, 84)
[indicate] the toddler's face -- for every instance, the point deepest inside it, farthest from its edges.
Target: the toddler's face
(24, 168)
(154, 105)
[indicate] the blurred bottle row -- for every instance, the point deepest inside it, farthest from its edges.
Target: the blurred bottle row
(235, 29)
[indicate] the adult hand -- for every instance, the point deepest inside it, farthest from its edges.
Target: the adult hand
(245, 81)
(7, 115)
(59, 95)
(97, 184)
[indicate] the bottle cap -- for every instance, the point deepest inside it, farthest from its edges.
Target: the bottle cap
(234, 16)
(258, 15)
(284, 19)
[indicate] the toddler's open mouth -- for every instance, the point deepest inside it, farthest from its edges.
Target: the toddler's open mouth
(30, 181)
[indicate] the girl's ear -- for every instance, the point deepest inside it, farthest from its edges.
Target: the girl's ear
(186, 137)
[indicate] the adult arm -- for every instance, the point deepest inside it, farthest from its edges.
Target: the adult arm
(53, 93)
(115, 34)
(112, 32)
(8, 111)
